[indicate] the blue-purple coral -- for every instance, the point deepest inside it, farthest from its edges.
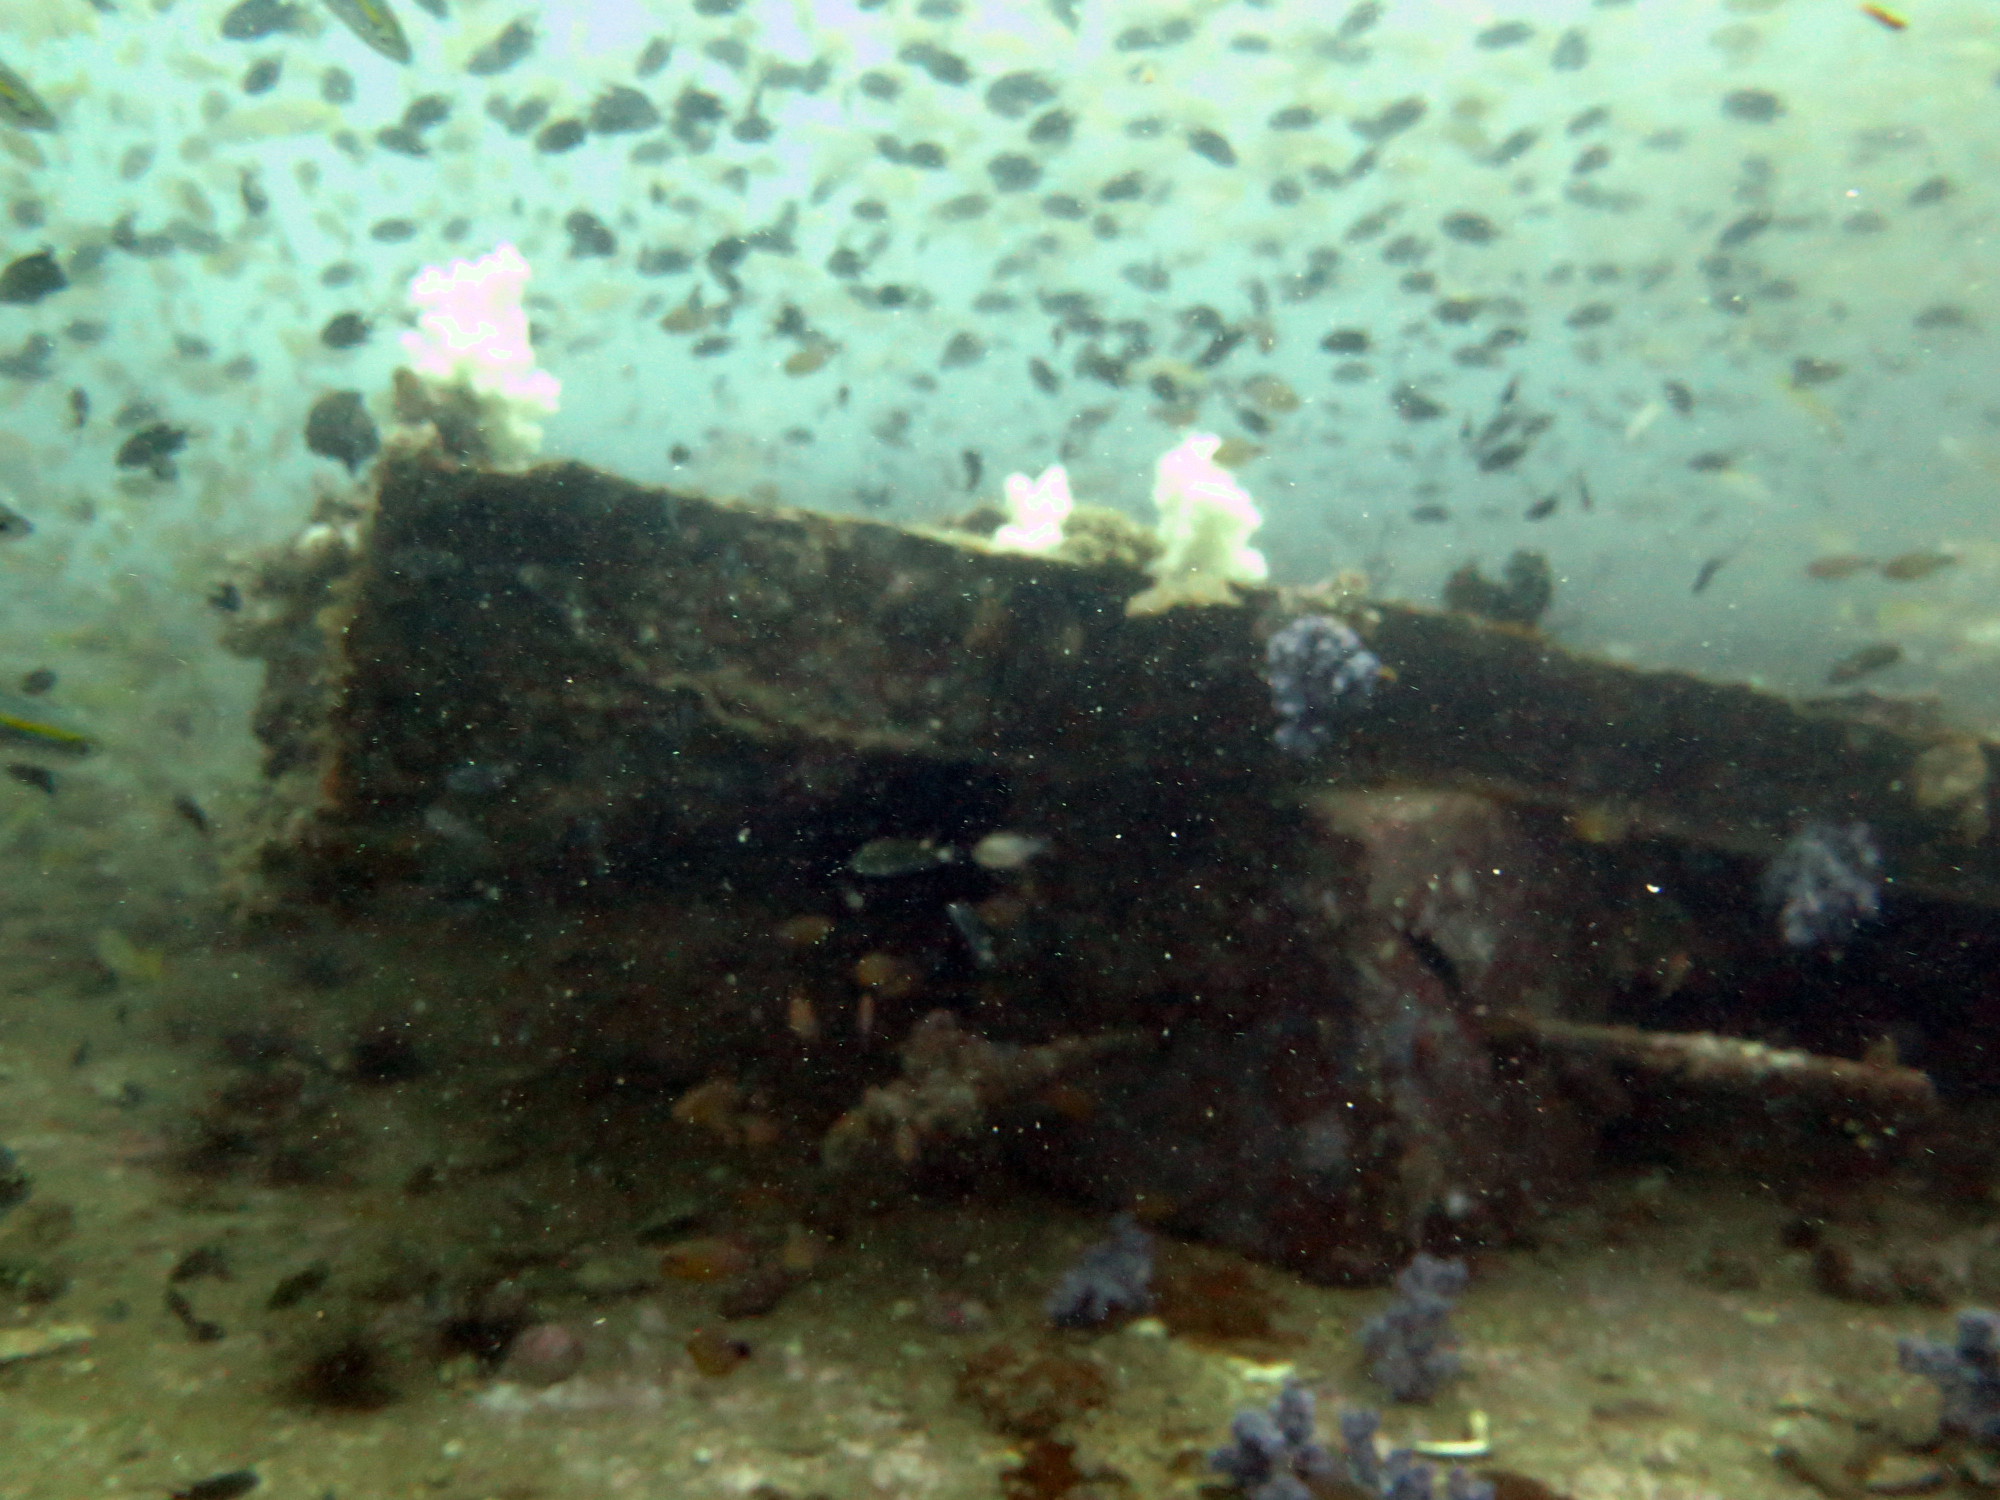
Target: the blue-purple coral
(1825, 883)
(1410, 1346)
(1112, 1278)
(1273, 1457)
(1966, 1373)
(1320, 673)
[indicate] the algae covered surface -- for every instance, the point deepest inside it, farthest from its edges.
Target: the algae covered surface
(692, 981)
(1659, 1340)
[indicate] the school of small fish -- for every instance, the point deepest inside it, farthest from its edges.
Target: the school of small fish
(1632, 278)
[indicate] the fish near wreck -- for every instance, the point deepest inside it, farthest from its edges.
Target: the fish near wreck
(375, 24)
(31, 278)
(21, 106)
(1910, 566)
(882, 859)
(1857, 665)
(23, 721)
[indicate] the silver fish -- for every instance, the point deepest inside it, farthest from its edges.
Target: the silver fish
(880, 859)
(21, 105)
(1006, 850)
(977, 938)
(375, 24)
(26, 722)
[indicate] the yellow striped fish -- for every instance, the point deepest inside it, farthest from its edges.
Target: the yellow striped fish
(21, 105)
(375, 24)
(25, 722)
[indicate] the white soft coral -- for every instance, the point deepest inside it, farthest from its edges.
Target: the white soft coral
(1206, 522)
(471, 341)
(1039, 508)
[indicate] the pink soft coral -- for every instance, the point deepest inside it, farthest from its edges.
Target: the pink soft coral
(472, 325)
(1206, 522)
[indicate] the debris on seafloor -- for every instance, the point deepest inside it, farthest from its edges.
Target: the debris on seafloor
(1410, 1345)
(1850, 1457)
(954, 1081)
(1727, 1063)
(35, 1342)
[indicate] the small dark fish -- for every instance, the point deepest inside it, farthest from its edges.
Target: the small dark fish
(1542, 509)
(152, 447)
(298, 1286)
(1003, 849)
(1706, 575)
(339, 427)
(191, 813)
(1583, 493)
(1710, 463)
(480, 778)
(1212, 145)
(1838, 566)
(20, 105)
(79, 405)
(209, 1262)
(220, 1486)
(882, 858)
(506, 49)
(28, 774)
(1679, 397)
(975, 468)
(1913, 565)
(31, 278)
(14, 525)
(1859, 664)
(375, 24)
(226, 597)
(38, 682)
(344, 331)
(202, 1332)
(1430, 515)
(253, 20)
(25, 722)
(977, 939)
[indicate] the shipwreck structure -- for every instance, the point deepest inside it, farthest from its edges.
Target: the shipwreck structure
(719, 773)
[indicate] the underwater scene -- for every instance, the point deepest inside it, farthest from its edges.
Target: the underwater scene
(999, 749)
